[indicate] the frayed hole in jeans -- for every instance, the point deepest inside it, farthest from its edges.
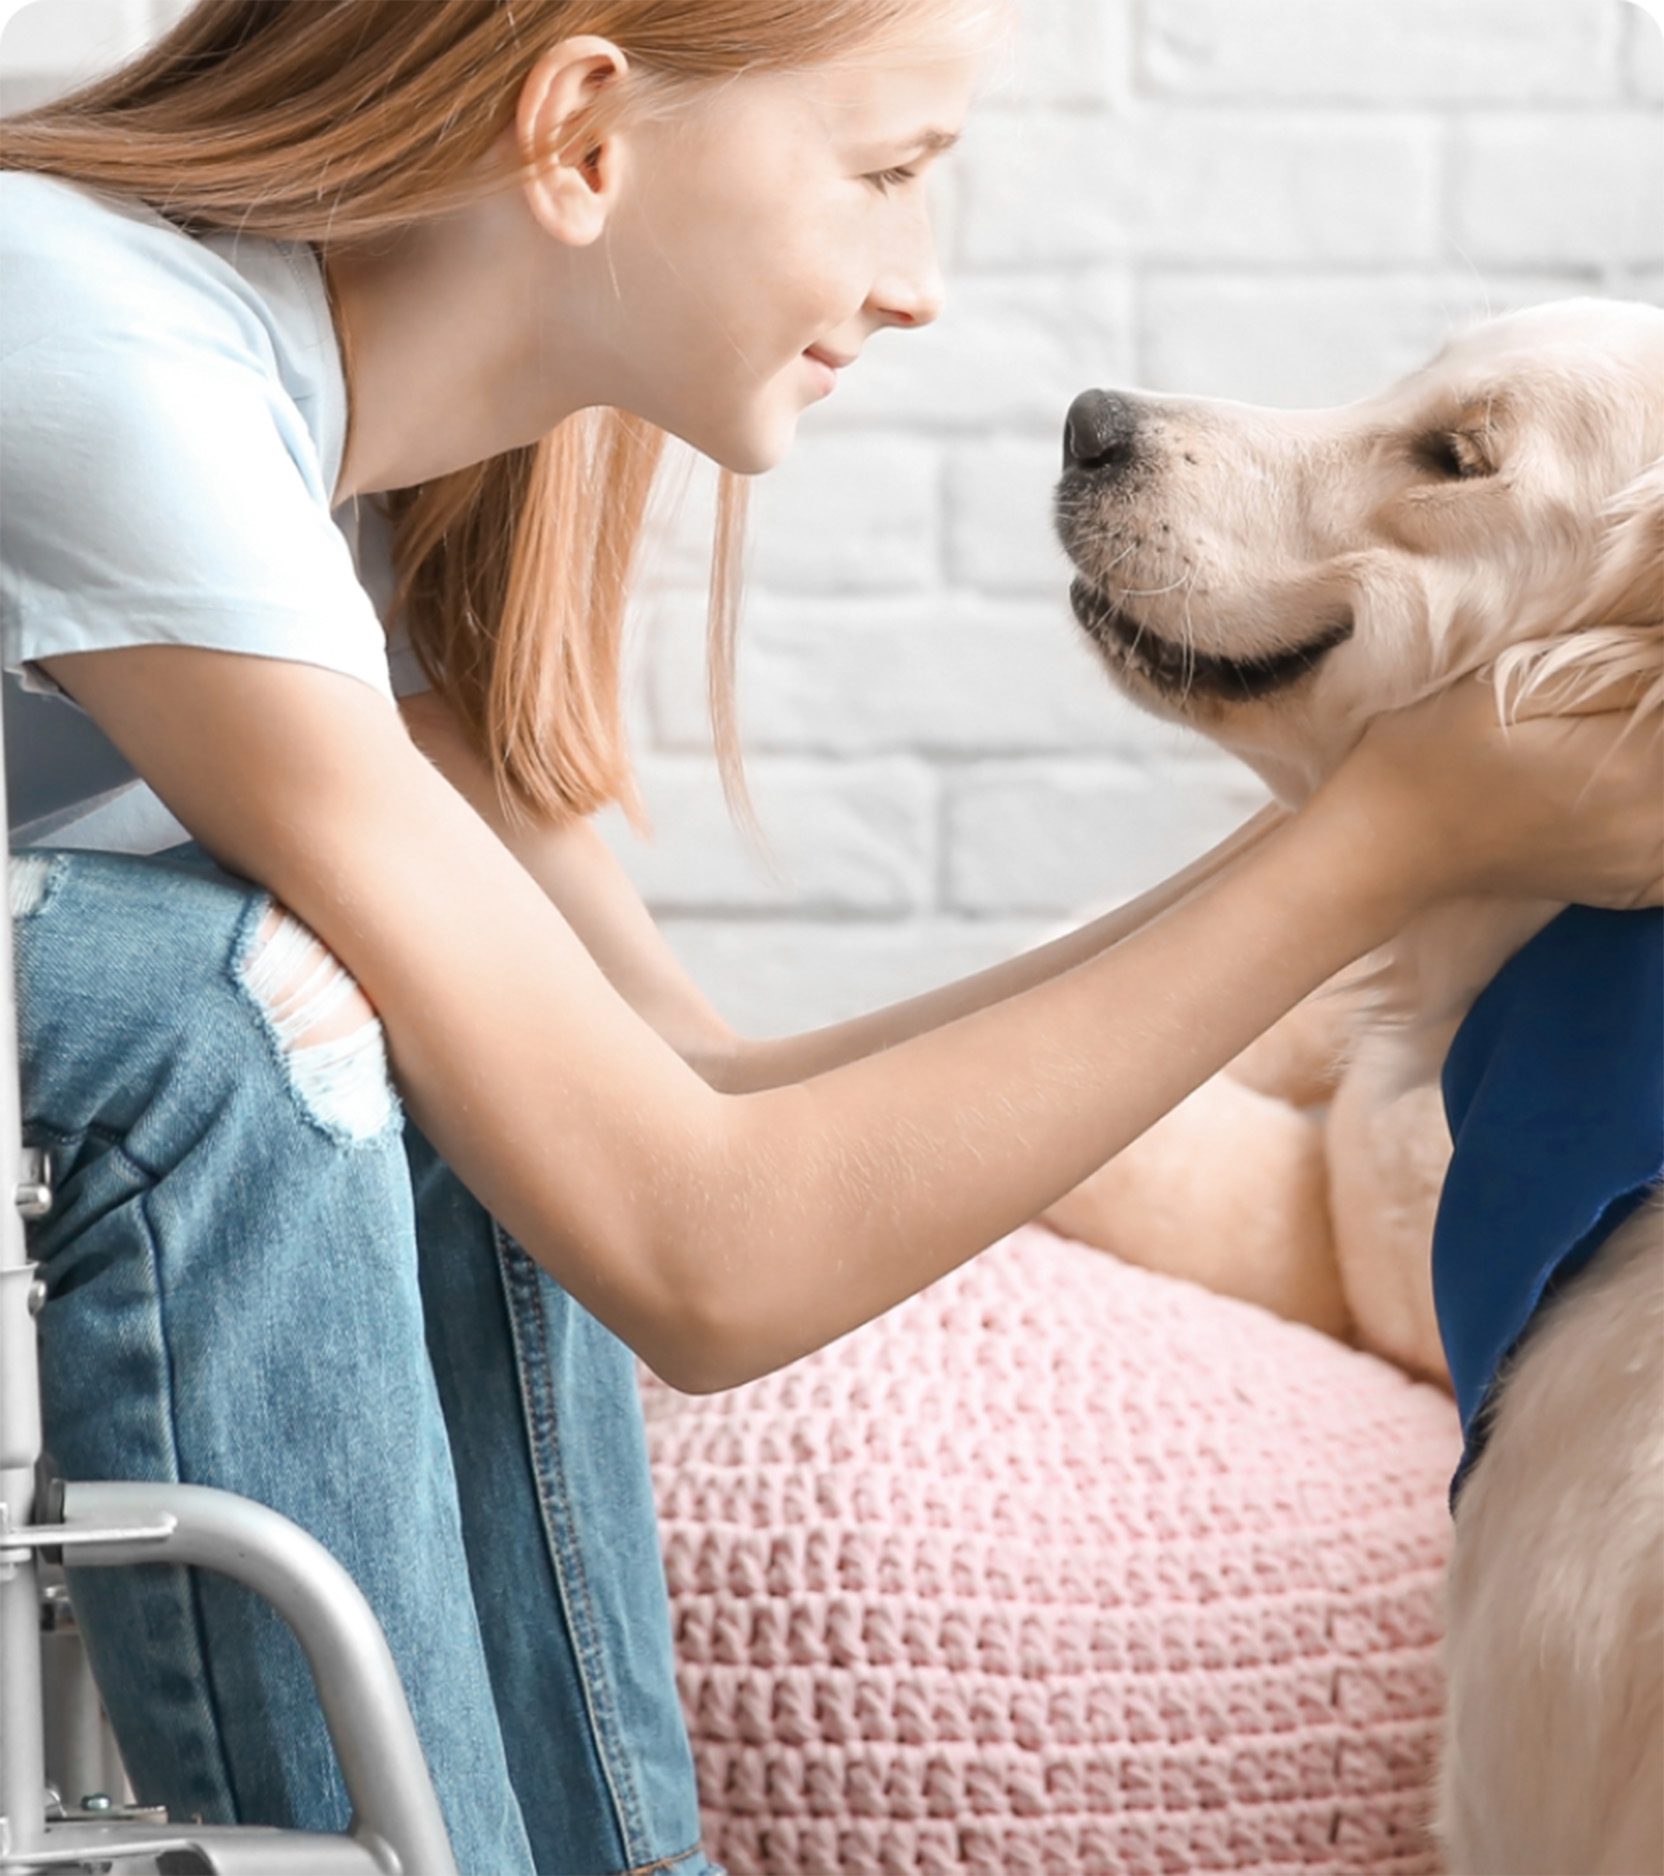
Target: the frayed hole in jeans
(28, 878)
(332, 1040)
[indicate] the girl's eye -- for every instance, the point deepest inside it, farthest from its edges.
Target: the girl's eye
(887, 179)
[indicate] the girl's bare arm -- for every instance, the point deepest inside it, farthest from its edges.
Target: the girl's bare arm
(580, 873)
(720, 1235)
(776, 1061)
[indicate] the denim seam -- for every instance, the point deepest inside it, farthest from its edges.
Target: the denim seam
(193, 1585)
(663, 1862)
(114, 1143)
(566, 1559)
(243, 943)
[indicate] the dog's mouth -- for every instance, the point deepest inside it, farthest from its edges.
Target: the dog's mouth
(1180, 672)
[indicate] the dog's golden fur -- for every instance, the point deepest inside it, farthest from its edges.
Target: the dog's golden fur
(1275, 579)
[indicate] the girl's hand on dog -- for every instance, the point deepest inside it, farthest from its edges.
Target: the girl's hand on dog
(1567, 807)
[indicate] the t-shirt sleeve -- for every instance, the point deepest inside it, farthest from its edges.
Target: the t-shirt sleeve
(158, 485)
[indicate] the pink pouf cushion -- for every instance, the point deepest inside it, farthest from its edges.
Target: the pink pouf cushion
(1062, 1567)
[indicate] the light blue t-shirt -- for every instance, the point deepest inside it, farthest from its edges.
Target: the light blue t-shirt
(172, 420)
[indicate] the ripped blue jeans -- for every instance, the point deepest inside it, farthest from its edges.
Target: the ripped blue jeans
(260, 1276)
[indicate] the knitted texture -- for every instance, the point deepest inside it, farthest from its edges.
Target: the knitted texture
(1061, 1567)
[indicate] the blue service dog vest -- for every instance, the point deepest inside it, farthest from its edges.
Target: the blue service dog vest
(1554, 1089)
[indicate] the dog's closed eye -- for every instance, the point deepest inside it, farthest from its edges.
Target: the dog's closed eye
(1457, 455)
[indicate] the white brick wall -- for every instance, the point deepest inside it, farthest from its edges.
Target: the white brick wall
(48, 44)
(1283, 200)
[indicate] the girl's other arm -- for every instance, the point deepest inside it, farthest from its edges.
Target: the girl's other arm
(582, 875)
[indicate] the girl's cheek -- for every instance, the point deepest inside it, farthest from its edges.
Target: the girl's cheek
(840, 266)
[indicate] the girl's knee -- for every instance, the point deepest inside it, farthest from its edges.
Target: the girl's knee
(146, 978)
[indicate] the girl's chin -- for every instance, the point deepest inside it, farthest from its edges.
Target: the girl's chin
(754, 435)
(761, 447)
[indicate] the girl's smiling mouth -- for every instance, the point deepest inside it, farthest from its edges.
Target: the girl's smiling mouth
(826, 370)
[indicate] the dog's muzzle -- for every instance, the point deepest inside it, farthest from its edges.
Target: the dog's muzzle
(1179, 671)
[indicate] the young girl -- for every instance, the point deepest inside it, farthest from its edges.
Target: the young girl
(385, 1131)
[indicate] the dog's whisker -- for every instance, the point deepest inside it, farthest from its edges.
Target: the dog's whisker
(1188, 635)
(1125, 552)
(1153, 592)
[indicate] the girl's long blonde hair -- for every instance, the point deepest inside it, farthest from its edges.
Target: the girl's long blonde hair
(333, 121)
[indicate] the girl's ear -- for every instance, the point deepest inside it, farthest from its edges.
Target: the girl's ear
(575, 188)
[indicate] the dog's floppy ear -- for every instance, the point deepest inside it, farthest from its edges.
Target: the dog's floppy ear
(1628, 586)
(1615, 630)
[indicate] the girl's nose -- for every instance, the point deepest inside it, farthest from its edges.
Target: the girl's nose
(909, 289)
(914, 301)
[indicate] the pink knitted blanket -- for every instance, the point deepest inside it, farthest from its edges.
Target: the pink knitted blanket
(1062, 1568)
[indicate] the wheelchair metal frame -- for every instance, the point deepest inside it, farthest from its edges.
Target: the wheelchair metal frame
(52, 1723)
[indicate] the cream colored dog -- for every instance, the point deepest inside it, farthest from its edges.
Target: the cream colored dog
(1275, 579)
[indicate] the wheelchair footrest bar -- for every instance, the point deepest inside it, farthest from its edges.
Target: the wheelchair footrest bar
(20, 1538)
(55, 1855)
(222, 1849)
(359, 1689)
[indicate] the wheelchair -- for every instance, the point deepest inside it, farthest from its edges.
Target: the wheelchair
(65, 1802)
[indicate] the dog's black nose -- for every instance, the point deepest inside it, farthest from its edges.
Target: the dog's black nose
(1099, 431)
